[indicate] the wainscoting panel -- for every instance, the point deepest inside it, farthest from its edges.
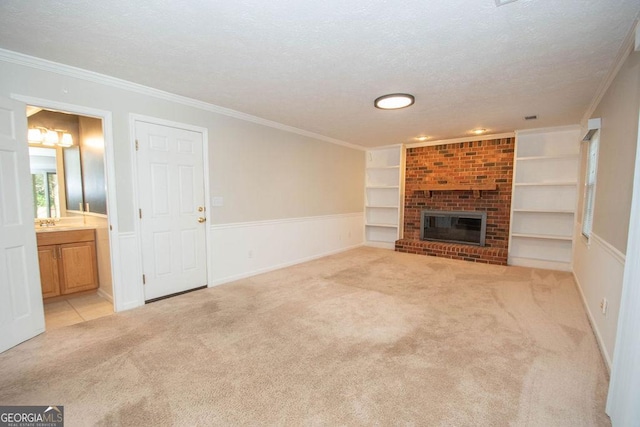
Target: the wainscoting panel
(599, 269)
(245, 249)
(127, 287)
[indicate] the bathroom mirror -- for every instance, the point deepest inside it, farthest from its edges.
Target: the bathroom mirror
(67, 171)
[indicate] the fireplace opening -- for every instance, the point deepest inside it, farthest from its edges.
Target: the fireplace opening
(455, 227)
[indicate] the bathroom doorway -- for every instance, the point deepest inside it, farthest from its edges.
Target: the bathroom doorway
(71, 219)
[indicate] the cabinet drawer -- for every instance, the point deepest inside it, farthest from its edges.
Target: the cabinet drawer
(65, 236)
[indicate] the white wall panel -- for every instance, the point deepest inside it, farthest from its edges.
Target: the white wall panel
(244, 249)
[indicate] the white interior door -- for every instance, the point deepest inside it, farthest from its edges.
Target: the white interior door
(21, 309)
(170, 167)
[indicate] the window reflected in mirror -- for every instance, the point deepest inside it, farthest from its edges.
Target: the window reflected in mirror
(44, 178)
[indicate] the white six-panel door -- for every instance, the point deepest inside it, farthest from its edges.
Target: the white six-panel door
(172, 208)
(21, 309)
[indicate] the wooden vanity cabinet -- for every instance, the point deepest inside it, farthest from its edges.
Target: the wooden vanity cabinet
(67, 261)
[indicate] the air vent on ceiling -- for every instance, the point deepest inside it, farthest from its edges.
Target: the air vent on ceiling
(503, 2)
(530, 117)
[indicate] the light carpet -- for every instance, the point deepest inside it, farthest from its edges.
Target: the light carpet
(364, 337)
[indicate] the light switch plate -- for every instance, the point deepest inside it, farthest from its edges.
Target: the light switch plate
(217, 201)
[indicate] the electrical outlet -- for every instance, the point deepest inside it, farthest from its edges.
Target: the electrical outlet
(603, 306)
(250, 254)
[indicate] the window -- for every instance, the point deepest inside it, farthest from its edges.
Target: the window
(45, 191)
(590, 185)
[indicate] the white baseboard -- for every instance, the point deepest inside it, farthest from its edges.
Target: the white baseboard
(594, 325)
(241, 250)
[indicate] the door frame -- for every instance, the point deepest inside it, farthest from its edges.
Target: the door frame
(133, 118)
(110, 178)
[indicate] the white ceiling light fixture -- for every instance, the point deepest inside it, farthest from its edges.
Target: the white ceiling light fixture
(421, 138)
(478, 131)
(394, 101)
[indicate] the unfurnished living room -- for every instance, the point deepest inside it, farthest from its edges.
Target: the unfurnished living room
(320, 213)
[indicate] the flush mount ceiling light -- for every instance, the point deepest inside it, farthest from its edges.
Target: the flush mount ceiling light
(394, 101)
(478, 131)
(421, 138)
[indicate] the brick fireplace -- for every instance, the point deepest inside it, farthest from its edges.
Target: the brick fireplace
(467, 176)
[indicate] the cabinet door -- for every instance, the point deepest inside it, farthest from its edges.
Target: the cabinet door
(78, 267)
(49, 276)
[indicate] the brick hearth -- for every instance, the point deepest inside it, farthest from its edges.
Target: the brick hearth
(467, 163)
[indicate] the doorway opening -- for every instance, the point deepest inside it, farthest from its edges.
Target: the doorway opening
(71, 219)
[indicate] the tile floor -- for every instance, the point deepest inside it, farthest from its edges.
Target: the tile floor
(75, 310)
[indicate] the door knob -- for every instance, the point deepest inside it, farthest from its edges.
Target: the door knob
(202, 219)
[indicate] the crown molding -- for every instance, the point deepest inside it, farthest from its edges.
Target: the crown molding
(91, 76)
(458, 140)
(548, 129)
(627, 47)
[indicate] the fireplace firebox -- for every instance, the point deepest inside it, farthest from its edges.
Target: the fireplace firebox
(454, 226)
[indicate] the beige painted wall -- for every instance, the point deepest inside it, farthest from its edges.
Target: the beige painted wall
(261, 172)
(618, 139)
(599, 263)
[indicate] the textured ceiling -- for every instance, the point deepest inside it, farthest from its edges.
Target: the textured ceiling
(318, 65)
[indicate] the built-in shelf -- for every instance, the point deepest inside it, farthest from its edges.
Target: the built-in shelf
(384, 167)
(544, 198)
(541, 236)
(383, 225)
(383, 196)
(549, 211)
(545, 184)
(568, 156)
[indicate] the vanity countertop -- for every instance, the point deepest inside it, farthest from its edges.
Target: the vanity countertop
(63, 228)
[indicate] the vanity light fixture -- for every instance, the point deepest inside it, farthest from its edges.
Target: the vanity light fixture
(34, 136)
(49, 137)
(394, 101)
(67, 140)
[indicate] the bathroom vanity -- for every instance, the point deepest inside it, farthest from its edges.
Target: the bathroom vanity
(67, 258)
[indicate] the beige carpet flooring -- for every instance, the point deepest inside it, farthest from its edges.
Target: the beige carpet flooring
(365, 337)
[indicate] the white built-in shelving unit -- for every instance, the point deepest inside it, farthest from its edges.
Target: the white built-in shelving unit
(544, 198)
(384, 185)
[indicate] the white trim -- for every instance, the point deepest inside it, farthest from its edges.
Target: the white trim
(625, 49)
(282, 265)
(615, 253)
(133, 118)
(110, 177)
(592, 322)
(385, 147)
(566, 128)
(267, 222)
(458, 140)
(91, 76)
